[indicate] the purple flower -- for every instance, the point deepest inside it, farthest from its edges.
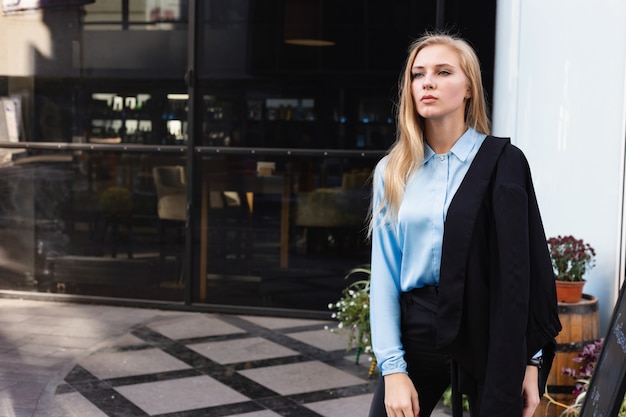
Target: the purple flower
(587, 358)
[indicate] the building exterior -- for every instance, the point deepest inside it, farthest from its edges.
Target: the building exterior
(571, 128)
(197, 153)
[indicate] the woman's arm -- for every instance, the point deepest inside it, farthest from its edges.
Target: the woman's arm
(530, 391)
(385, 287)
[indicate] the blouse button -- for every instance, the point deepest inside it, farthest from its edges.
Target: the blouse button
(441, 158)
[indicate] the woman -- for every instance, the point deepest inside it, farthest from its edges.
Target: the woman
(462, 289)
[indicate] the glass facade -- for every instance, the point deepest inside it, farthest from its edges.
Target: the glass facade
(201, 152)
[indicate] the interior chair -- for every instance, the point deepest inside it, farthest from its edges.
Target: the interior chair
(171, 192)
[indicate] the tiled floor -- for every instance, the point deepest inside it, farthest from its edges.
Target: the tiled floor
(219, 365)
(85, 360)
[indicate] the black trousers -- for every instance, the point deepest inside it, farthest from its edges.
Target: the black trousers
(428, 369)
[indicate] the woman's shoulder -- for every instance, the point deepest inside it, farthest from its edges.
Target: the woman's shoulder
(512, 166)
(381, 165)
(514, 155)
(510, 153)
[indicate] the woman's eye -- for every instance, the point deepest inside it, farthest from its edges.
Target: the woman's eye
(444, 73)
(416, 75)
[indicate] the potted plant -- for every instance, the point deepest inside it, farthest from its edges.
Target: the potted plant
(571, 259)
(352, 311)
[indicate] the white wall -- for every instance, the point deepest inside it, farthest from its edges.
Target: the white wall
(40, 42)
(560, 95)
(20, 37)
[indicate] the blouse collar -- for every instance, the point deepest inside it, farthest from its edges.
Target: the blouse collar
(461, 149)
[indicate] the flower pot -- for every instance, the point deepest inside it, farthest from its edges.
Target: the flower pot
(569, 291)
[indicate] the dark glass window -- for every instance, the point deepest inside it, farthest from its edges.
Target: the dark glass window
(244, 182)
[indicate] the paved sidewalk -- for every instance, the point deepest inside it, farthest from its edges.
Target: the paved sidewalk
(63, 359)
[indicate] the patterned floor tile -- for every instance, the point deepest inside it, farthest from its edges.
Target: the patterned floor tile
(323, 339)
(342, 407)
(180, 394)
(276, 323)
(264, 413)
(108, 365)
(74, 405)
(241, 350)
(301, 377)
(194, 326)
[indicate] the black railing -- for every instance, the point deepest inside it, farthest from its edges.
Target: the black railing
(201, 150)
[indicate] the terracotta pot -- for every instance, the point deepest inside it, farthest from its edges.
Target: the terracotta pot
(569, 291)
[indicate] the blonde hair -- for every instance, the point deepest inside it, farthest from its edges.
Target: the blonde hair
(407, 153)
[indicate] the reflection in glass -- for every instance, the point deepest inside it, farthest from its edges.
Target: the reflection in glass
(272, 231)
(86, 222)
(138, 15)
(293, 227)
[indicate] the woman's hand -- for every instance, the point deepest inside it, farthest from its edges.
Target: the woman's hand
(400, 396)
(530, 390)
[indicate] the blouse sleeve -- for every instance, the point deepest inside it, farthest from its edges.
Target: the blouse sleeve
(385, 286)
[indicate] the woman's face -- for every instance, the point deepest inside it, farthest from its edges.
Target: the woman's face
(439, 86)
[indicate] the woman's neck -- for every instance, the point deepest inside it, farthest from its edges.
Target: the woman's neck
(442, 137)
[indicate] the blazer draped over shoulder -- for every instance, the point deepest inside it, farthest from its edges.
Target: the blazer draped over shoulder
(497, 298)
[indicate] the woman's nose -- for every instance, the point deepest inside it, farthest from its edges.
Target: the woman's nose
(427, 82)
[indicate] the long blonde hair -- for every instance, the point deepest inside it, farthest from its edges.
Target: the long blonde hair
(407, 153)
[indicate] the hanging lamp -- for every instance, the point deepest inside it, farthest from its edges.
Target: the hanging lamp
(303, 23)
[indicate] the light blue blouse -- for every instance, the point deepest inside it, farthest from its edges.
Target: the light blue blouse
(417, 232)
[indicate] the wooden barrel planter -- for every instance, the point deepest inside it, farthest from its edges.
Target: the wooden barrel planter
(580, 327)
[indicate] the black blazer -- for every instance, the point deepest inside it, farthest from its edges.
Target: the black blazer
(497, 294)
